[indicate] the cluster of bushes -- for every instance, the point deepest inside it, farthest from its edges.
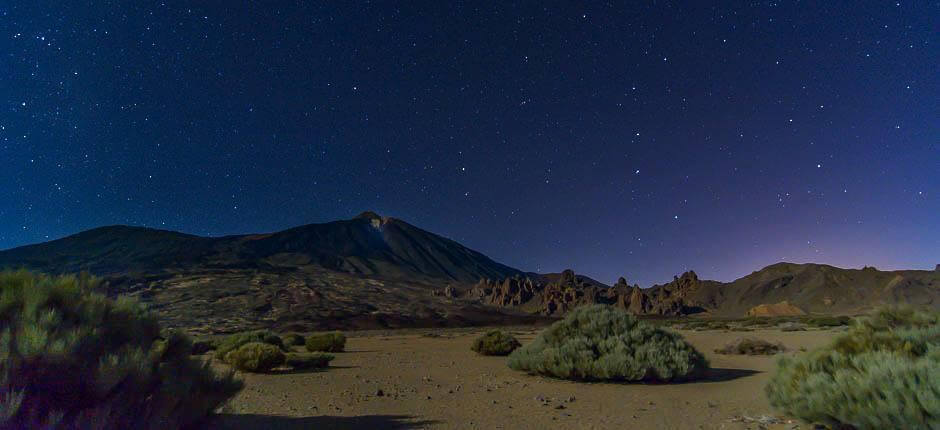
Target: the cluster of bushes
(71, 358)
(751, 346)
(601, 342)
(495, 342)
(326, 342)
(882, 373)
(262, 350)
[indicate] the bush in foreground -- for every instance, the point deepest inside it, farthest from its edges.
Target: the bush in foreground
(326, 342)
(751, 346)
(601, 342)
(235, 341)
(495, 342)
(73, 359)
(883, 373)
(256, 357)
(311, 360)
(294, 339)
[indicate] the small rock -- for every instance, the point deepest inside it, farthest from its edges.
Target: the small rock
(559, 406)
(379, 393)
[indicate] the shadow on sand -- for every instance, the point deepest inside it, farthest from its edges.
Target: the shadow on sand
(275, 422)
(717, 374)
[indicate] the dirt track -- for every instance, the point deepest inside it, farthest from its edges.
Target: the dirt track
(437, 382)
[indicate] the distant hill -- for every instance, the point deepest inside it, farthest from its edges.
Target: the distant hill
(368, 245)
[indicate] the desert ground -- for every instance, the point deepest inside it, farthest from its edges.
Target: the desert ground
(431, 379)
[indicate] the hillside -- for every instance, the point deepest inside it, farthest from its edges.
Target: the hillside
(365, 272)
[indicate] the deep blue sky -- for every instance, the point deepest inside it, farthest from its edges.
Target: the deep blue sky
(638, 141)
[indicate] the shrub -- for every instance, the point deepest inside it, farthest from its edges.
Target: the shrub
(294, 339)
(326, 342)
(884, 372)
(829, 321)
(256, 357)
(71, 358)
(495, 342)
(311, 360)
(751, 346)
(235, 341)
(601, 342)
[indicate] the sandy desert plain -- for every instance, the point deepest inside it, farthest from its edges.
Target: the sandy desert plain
(429, 378)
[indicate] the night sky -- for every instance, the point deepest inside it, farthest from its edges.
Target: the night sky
(640, 141)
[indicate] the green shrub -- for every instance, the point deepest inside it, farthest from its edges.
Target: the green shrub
(751, 346)
(235, 341)
(294, 339)
(495, 342)
(310, 360)
(601, 342)
(326, 342)
(74, 359)
(256, 357)
(884, 372)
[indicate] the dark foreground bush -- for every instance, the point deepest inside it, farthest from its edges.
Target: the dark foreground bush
(73, 359)
(883, 373)
(495, 342)
(751, 346)
(605, 343)
(311, 360)
(235, 341)
(294, 339)
(256, 357)
(326, 342)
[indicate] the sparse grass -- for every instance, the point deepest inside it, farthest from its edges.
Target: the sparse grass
(495, 342)
(256, 357)
(310, 360)
(294, 339)
(884, 372)
(601, 342)
(235, 341)
(326, 342)
(74, 359)
(751, 346)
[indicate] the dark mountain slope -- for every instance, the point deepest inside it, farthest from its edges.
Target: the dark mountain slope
(366, 245)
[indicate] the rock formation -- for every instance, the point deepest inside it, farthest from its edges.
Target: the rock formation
(569, 291)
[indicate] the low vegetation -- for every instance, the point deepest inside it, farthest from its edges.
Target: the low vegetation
(495, 342)
(71, 358)
(310, 360)
(602, 342)
(256, 357)
(294, 339)
(326, 342)
(235, 341)
(884, 372)
(751, 346)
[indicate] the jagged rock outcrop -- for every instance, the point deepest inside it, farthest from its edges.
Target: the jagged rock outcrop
(569, 291)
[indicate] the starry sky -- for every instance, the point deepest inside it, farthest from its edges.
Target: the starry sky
(635, 140)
